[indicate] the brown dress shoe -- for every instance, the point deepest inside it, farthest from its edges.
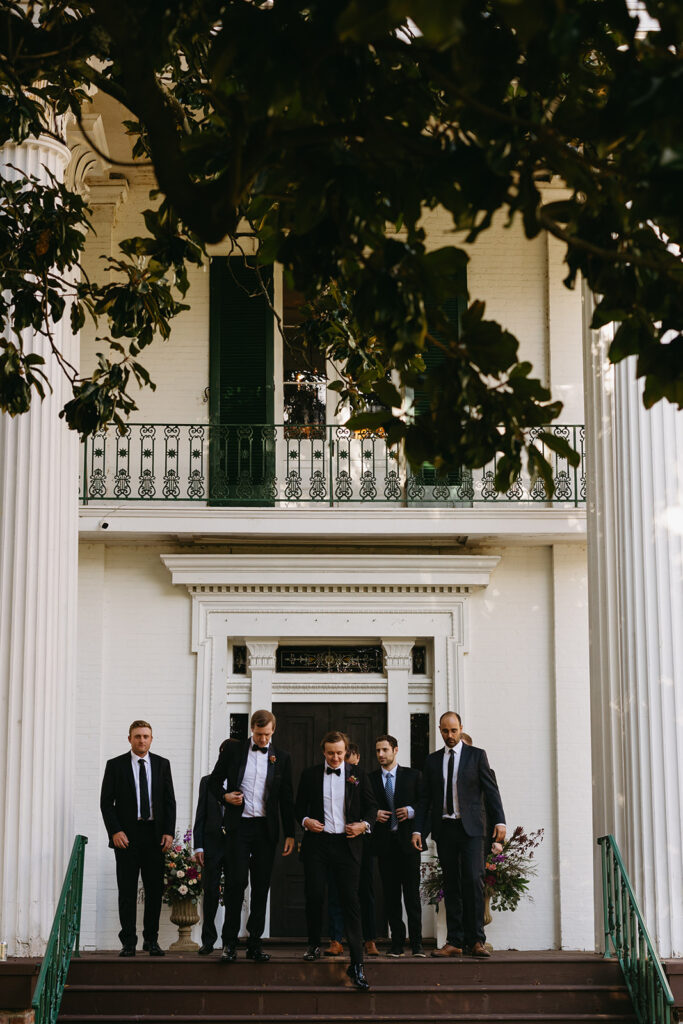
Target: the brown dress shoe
(447, 951)
(479, 950)
(371, 949)
(334, 949)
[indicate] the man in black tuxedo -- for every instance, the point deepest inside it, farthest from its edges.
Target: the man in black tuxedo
(458, 790)
(209, 848)
(138, 806)
(254, 781)
(397, 791)
(335, 806)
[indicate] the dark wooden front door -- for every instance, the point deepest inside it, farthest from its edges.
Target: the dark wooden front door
(300, 727)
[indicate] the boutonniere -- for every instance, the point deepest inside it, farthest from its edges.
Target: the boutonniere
(353, 779)
(272, 759)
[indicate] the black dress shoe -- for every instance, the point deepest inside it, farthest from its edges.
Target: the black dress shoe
(154, 949)
(395, 951)
(205, 949)
(357, 976)
(312, 953)
(127, 951)
(256, 953)
(229, 954)
(418, 950)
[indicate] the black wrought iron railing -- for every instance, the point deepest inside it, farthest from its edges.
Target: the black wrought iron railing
(627, 938)
(288, 466)
(63, 941)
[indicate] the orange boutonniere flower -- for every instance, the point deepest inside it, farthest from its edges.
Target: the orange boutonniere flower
(272, 759)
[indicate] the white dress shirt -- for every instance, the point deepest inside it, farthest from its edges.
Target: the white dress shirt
(254, 783)
(385, 776)
(136, 775)
(457, 751)
(334, 791)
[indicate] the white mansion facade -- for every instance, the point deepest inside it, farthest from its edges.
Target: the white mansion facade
(240, 548)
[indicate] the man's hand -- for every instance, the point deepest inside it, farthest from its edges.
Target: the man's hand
(288, 847)
(236, 798)
(356, 828)
(120, 840)
(402, 813)
(199, 857)
(499, 834)
(417, 840)
(166, 843)
(383, 816)
(312, 825)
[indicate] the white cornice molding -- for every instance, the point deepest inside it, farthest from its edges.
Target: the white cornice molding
(415, 571)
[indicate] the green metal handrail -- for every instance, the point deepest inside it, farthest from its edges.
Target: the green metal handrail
(64, 939)
(626, 933)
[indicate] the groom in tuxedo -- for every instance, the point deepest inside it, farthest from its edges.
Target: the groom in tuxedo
(138, 808)
(459, 792)
(335, 806)
(254, 781)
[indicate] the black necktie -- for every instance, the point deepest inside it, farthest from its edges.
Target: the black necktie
(333, 771)
(145, 812)
(450, 809)
(255, 746)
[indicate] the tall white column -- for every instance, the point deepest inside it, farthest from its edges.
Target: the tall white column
(397, 660)
(635, 558)
(38, 587)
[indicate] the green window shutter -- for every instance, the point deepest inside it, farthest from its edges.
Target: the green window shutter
(241, 343)
(433, 357)
(241, 395)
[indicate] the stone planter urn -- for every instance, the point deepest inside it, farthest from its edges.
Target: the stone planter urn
(184, 915)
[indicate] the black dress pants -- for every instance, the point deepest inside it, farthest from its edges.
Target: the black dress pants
(211, 881)
(323, 852)
(249, 854)
(143, 856)
(399, 869)
(462, 862)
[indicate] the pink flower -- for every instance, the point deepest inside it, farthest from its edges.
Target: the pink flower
(353, 780)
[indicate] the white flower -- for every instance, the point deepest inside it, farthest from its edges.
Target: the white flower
(192, 881)
(182, 889)
(180, 874)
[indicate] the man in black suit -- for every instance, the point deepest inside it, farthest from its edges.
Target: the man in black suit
(335, 806)
(254, 781)
(138, 806)
(209, 848)
(458, 790)
(397, 791)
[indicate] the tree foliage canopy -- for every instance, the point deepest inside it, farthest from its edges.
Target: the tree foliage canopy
(328, 127)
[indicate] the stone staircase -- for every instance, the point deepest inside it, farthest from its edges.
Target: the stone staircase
(548, 986)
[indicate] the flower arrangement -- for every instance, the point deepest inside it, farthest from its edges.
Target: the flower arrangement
(352, 780)
(507, 873)
(182, 874)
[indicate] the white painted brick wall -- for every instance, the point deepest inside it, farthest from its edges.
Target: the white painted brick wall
(147, 670)
(506, 270)
(510, 698)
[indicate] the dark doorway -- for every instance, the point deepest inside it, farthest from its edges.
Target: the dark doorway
(300, 727)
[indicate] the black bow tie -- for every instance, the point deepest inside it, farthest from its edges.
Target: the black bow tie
(255, 746)
(333, 771)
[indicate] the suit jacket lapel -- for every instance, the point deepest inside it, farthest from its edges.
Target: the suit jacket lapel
(155, 766)
(243, 764)
(129, 773)
(272, 753)
(348, 792)
(465, 754)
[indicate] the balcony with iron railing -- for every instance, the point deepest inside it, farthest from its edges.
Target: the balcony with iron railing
(291, 466)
